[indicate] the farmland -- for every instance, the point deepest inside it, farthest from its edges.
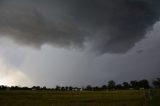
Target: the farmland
(76, 98)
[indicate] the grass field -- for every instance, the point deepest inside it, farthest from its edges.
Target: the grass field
(79, 98)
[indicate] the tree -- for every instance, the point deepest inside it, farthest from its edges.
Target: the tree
(36, 87)
(156, 83)
(70, 88)
(144, 84)
(119, 86)
(134, 84)
(96, 88)
(66, 88)
(3, 87)
(58, 88)
(111, 84)
(104, 87)
(44, 88)
(89, 88)
(126, 85)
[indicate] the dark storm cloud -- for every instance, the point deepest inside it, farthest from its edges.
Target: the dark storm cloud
(112, 26)
(27, 25)
(121, 23)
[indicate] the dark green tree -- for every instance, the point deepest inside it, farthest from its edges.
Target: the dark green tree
(111, 84)
(144, 84)
(126, 85)
(134, 84)
(156, 83)
(70, 88)
(89, 87)
(104, 87)
(58, 88)
(119, 86)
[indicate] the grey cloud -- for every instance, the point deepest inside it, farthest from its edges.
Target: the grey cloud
(26, 25)
(121, 23)
(112, 26)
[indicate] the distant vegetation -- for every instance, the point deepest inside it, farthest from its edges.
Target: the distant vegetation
(111, 85)
(133, 93)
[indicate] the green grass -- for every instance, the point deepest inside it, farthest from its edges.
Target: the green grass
(156, 99)
(71, 98)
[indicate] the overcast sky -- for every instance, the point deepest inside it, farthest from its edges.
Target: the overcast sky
(78, 42)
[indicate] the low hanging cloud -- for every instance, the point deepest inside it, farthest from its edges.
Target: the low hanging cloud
(110, 26)
(13, 76)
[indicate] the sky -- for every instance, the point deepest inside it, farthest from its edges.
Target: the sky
(78, 42)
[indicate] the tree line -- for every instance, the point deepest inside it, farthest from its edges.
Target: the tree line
(111, 85)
